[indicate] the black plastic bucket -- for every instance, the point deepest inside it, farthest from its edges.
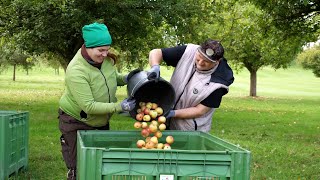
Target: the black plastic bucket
(147, 89)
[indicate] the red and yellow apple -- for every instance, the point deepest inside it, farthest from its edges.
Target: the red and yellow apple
(137, 125)
(166, 146)
(169, 139)
(141, 143)
(139, 116)
(161, 119)
(153, 114)
(154, 106)
(159, 111)
(162, 127)
(146, 117)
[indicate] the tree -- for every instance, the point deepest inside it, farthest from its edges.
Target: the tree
(10, 55)
(310, 59)
(136, 26)
(251, 40)
(296, 15)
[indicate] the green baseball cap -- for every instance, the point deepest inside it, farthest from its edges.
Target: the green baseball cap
(96, 35)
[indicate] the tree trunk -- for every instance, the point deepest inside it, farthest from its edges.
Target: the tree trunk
(14, 72)
(253, 83)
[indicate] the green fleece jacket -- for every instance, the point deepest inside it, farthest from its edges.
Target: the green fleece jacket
(91, 90)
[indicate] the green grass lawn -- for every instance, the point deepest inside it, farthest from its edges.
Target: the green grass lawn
(280, 127)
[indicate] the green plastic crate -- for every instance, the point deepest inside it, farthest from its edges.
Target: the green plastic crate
(13, 142)
(194, 155)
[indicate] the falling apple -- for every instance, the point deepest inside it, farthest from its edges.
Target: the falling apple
(144, 125)
(153, 128)
(169, 139)
(161, 119)
(162, 127)
(137, 125)
(154, 122)
(158, 134)
(145, 132)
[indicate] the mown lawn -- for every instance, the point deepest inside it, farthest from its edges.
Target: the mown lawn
(280, 127)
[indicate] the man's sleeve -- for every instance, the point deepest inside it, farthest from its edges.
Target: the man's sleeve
(214, 99)
(173, 55)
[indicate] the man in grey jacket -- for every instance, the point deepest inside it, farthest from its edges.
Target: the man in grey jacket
(200, 79)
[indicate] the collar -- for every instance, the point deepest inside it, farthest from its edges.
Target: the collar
(210, 71)
(86, 56)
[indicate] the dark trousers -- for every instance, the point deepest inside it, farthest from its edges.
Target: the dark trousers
(69, 127)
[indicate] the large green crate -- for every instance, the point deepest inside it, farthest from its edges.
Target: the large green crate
(13, 142)
(194, 155)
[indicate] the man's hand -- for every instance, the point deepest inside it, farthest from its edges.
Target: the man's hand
(128, 104)
(154, 72)
(170, 114)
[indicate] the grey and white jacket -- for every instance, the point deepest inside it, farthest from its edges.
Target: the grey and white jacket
(192, 86)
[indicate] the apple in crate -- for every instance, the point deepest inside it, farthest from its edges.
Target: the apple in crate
(162, 127)
(141, 143)
(146, 117)
(160, 146)
(162, 119)
(169, 139)
(137, 125)
(150, 145)
(158, 134)
(166, 146)
(154, 139)
(159, 111)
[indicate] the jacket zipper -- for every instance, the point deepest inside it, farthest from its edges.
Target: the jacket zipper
(105, 80)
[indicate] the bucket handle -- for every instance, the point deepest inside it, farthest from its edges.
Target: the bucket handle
(153, 76)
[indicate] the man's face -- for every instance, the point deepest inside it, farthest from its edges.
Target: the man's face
(98, 54)
(203, 64)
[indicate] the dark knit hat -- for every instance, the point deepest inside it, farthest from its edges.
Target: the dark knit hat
(212, 50)
(96, 35)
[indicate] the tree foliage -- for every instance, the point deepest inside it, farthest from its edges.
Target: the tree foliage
(136, 26)
(310, 59)
(251, 40)
(296, 15)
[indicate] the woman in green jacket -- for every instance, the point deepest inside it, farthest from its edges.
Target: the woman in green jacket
(89, 99)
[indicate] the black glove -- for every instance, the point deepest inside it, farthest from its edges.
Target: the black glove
(130, 74)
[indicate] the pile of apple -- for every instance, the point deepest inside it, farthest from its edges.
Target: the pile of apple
(151, 122)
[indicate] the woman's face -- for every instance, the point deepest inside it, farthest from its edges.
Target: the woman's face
(203, 64)
(98, 54)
